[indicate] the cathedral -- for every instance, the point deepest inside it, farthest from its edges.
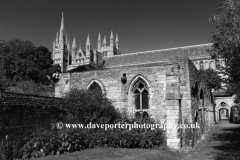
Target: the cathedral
(72, 57)
(162, 84)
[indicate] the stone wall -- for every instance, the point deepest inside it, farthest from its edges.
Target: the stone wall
(119, 93)
(20, 113)
(170, 96)
(228, 102)
(201, 104)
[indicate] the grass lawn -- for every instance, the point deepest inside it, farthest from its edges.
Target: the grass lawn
(118, 154)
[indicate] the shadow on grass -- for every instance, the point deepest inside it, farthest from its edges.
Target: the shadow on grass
(229, 148)
(117, 154)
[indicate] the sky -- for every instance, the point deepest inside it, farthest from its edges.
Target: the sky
(141, 25)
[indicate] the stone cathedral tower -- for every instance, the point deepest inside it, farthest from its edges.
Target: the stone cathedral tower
(61, 48)
(70, 58)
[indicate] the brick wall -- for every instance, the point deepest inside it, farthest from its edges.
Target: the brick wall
(19, 113)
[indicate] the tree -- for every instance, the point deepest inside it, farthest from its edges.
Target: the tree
(226, 41)
(212, 78)
(22, 61)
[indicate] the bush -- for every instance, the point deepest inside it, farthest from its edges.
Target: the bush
(80, 106)
(52, 142)
(84, 106)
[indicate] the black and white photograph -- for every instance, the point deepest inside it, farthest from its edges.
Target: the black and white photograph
(119, 79)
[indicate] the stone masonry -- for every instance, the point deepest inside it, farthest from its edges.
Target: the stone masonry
(169, 84)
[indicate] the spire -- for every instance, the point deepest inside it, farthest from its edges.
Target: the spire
(66, 39)
(116, 38)
(117, 42)
(62, 22)
(104, 41)
(57, 37)
(88, 41)
(74, 45)
(61, 33)
(99, 37)
(99, 41)
(80, 48)
(111, 37)
(68, 46)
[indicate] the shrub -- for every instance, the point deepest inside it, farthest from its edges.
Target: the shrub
(80, 106)
(51, 142)
(83, 106)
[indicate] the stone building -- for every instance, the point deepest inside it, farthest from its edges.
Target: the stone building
(71, 57)
(163, 84)
(223, 100)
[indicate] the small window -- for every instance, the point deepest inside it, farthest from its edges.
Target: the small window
(206, 65)
(197, 66)
(212, 65)
(201, 65)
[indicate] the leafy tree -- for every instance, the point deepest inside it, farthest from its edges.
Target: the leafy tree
(212, 78)
(22, 61)
(226, 41)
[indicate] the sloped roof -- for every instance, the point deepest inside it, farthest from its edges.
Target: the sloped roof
(156, 55)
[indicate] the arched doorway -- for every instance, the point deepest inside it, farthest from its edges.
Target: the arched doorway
(223, 111)
(223, 114)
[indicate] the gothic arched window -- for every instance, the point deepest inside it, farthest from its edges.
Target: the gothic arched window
(95, 87)
(212, 65)
(197, 66)
(140, 91)
(201, 65)
(206, 65)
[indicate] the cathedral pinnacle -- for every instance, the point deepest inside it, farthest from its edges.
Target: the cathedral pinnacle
(116, 38)
(104, 41)
(80, 48)
(62, 22)
(99, 37)
(99, 41)
(68, 46)
(88, 41)
(57, 37)
(61, 33)
(66, 39)
(74, 45)
(111, 37)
